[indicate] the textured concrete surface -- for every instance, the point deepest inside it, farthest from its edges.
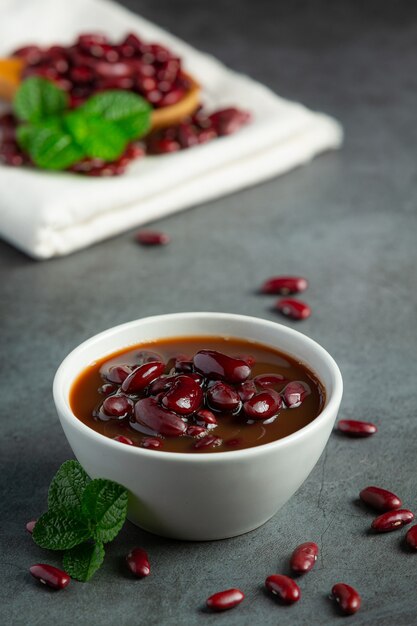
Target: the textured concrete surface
(348, 223)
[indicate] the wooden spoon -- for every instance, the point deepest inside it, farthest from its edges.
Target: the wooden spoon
(11, 72)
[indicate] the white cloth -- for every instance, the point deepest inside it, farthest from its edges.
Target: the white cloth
(49, 214)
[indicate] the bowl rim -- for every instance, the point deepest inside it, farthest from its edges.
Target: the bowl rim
(330, 408)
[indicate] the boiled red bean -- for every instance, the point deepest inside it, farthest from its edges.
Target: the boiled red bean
(224, 600)
(208, 442)
(161, 384)
(152, 238)
(219, 366)
(392, 520)
(123, 439)
(295, 393)
(223, 397)
(270, 380)
(147, 356)
(304, 557)
(347, 598)
(142, 376)
(152, 443)
(206, 418)
(411, 537)
(246, 390)
(294, 309)
(183, 364)
(107, 389)
(263, 405)
(195, 431)
(50, 576)
(356, 428)
(185, 396)
(228, 121)
(116, 407)
(380, 499)
(138, 562)
(284, 587)
(118, 373)
(284, 285)
(151, 415)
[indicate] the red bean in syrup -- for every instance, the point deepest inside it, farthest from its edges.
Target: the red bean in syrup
(246, 390)
(284, 587)
(380, 499)
(356, 428)
(224, 600)
(392, 520)
(206, 418)
(118, 373)
(347, 598)
(295, 393)
(210, 441)
(125, 440)
(161, 384)
(116, 407)
(142, 376)
(184, 397)
(107, 389)
(266, 381)
(147, 356)
(263, 405)
(152, 443)
(196, 431)
(151, 415)
(304, 557)
(138, 562)
(223, 397)
(284, 285)
(50, 575)
(218, 366)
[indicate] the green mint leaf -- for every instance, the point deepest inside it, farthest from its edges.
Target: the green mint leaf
(67, 486)
(52, 149)
(105, 504)
(98, 138)
(26, 134)
(38, 98)
(82, 561)
(130, 112)
(60, 529)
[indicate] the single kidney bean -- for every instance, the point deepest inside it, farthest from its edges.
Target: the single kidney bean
(380, 499)
(304, 557)
(295, 309)
(246, 390)
(392, 520)
(411, 537)
(138, 562)
(115, 407)
(107, 389)
(185, 396)
(150, 414)
(223, 397)
(118, 373)
(31, 525)
(152, 238)
(123, 439)
(142, 376)
(219, 366)
(183, 364)
(284, 285)
(356, 428)
(206, 418)
(295, 393)
(265, 381)
(263, 405)
(50, 576)
(284, 587)
(195, 431)
(347, 598)
(208, 442)
(152, 443)
(224, 600)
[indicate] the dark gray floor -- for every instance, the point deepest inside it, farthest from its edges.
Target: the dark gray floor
(348, 223)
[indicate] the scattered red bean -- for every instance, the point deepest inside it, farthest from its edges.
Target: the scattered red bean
(219, 366)
(295, 393)
(411, 537)
(224, 600)
(152, 238)
(294, 309)
(380, 499)
(263, 405)
(347, 598)
(284, 285)
(284, 587)
(392, 520)
(185, 396)
(142, 376)
(50, 576)
(208, 442)
(151, 415)
(122, 439)
(356, 428)
(228, 121)
(223, 397)
(304, 557)
(138, 562)
(31, 525)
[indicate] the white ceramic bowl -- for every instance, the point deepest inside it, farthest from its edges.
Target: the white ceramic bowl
(202, 496)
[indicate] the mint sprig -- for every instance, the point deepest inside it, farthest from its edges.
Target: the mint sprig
(56, 138)
(83, 514)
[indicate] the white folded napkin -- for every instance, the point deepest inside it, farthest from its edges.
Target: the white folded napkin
(49, 214)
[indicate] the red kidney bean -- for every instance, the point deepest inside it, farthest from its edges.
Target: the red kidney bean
(228, 121)
(31, 54)
(184, 396)
(162, 146)
(219, 366)
(224, 600)
(284, 587)
(152, 238)
(150, 414)
(233, 443)
(161, 384)
(123, 439)
(183, 364)
(294, 309)
(392, 520)
(82, 74)
(208, 442)
(304, 557)
(198, 378)
(142, 376)
(195, 431)
(107, 389)
(284, 285)
(115, 407)
(356, 428)
(138, 562)
(270, 380)
(146, 356)
(380, 499)
(263, 405)
(151, 442)
(118, 373)
(295, 393)
(347, 598)
(206, 418)
(223, 397)
(246, 390)
(31, 525)
(411, 537)
(50, 576)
